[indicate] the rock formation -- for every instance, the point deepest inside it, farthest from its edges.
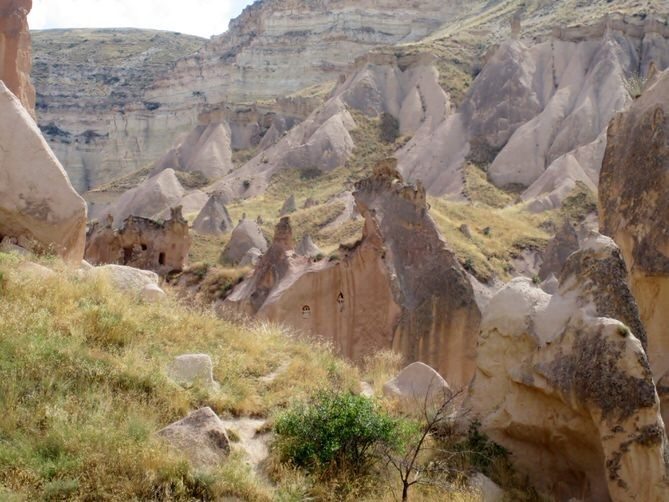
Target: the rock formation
(16, 52)
(537, 114)
(38, 205)
(404, 88)
(332, 35)
(418, 385)
(269, 53)
(214, 218)
(634, 211)
(191, 369)
(153, 198)
(564, 383)
(558, 250)
(200, 437)
(289, 206)
(141, 243)
(207, 150)
(246, 236)
(306, 247)
(398, 288)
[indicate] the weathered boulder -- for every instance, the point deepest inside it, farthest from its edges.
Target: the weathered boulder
(37, 201)
(246, 235)
(11, 245)
(564, 383)
(634, 211)
(16, 51)
(398, 288)
(128, 279)
(191, 369)
(152, 293)
(141, 243)
(418, 385)
(214, 218)
(200, 437)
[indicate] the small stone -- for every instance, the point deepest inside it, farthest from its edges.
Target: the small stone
(191, 369)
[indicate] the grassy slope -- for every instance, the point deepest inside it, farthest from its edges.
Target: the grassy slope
(83, 388)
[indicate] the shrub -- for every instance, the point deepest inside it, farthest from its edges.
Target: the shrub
(390, 128)
(339, 431)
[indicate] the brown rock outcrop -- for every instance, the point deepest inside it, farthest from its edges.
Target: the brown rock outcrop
(16, 51)
(564, 383)
(141, 243)
(634, 211)
(398, 288)
(37, 202)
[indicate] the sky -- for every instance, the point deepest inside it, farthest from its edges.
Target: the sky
(194, 17)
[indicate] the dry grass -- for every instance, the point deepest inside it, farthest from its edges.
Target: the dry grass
(497, 235)
(83, 389)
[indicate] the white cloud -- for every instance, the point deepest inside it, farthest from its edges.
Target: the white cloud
(196, 17)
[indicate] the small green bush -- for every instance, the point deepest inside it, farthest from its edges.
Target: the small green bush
(338, 431)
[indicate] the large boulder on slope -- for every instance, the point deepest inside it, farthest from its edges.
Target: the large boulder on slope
(200, 437)
(563, 382)
(246, 235)
(418, 385)
(634, 211)
(37, 201)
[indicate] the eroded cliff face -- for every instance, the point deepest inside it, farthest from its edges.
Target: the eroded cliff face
(537, 114)
(398, 288)
(131, 117)
(16, 52)
(277, 47)
(634, 210)
(563, 381)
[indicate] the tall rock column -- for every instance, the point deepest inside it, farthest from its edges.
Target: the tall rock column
(634, 211)
(16, 52)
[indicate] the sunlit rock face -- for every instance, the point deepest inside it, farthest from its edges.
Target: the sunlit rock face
(536, 116)
(564, 383)
(112, 118)
(634, 211)
(16, 52)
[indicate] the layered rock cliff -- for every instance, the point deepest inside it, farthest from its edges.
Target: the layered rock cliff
(273, 49)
